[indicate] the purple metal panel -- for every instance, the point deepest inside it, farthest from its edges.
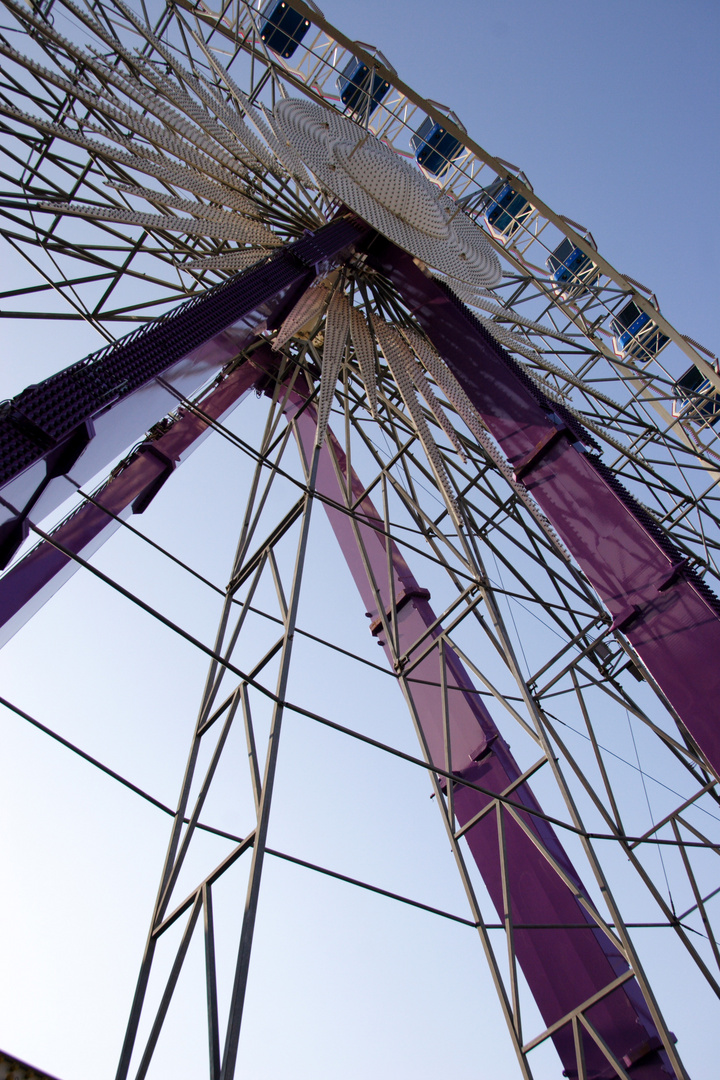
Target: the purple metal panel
(563, 967)
(564, 957)
(38, 576)
(85, 415)
(667, 613)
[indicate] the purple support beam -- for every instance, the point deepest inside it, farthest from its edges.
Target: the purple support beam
(564, 967)
(30, 583)
(81, 418)
(564, 957)
(667, 613)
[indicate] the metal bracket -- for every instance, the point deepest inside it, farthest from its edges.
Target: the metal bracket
(531, 459)
(400, 601)
(672, 575)
(626, 618)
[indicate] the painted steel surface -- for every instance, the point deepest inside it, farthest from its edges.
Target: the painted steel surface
(81, 418)
(666, 612)
(34, 579)
(565, 958)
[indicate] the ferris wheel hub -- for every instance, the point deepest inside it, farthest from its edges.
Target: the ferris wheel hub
(387, 192)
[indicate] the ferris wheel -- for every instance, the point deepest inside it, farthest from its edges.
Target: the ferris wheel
(439, 421)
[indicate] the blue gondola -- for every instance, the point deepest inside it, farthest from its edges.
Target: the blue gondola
(571, 268)
(696, 398)
(283, 28)
(435, 148)
(635, 334)
(505, 209)
(360, 92)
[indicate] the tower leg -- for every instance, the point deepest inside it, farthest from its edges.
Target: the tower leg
(670, 617)
(581, 972)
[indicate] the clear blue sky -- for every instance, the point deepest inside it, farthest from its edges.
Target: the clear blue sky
(612, 111)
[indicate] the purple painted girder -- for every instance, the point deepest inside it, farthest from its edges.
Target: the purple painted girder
(35, 578)
(563, 967)
(81, 418)
(564, 957)
(667, 613)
